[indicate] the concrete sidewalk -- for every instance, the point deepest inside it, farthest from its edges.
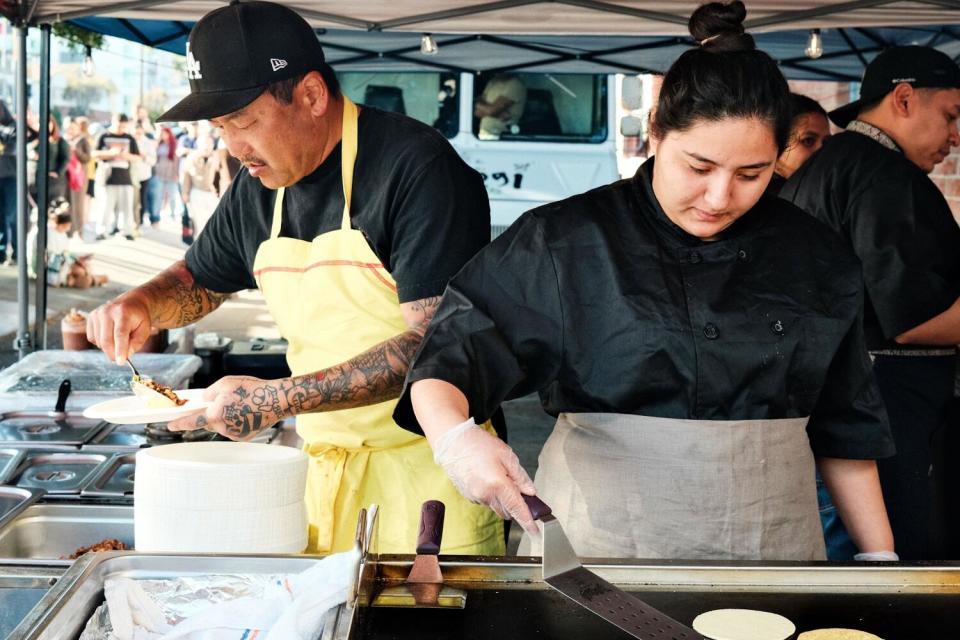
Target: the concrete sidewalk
(127, 264)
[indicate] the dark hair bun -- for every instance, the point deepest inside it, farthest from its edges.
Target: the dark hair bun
(718, 26)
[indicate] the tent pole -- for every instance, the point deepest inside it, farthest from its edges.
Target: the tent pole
(23, 343)
(43, 193)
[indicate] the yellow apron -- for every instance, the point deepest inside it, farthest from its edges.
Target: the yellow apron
(332, 299)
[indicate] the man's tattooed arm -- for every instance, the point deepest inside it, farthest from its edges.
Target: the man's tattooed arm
(376, 375)
(175, 299)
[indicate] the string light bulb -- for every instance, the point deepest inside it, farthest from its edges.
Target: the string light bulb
(428, 46)
(87, 69)
(814, 45)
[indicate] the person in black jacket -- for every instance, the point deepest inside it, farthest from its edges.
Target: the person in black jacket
(8, 183)
(58, 155)
(690, 333)
(870, 183)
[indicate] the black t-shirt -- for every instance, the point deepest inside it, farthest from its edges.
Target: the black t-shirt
(119, 169)
(422, 209)
(601, 304)
(896, 220)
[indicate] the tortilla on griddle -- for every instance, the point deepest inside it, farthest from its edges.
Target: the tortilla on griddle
(743, 624)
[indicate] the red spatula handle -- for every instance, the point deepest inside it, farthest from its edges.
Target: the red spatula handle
(538, 508)
(431, 528)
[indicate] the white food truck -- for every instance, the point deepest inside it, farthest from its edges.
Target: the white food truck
(558, 140)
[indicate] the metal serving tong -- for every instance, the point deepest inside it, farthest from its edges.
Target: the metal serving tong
(562, 571)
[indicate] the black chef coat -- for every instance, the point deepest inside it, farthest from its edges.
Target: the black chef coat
(897, 222)
(601, 304)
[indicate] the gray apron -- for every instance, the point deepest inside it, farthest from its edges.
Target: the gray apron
(626, 486)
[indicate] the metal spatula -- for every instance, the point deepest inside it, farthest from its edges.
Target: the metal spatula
(562, 571)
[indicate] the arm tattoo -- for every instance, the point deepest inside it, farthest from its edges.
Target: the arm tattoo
(376, 375)
(176, 299)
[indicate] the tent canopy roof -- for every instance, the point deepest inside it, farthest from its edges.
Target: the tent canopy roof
(560, 36)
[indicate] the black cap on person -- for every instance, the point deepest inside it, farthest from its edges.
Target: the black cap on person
(236, 51)
(921, 67)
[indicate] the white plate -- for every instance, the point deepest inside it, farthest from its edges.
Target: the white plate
(133, 410)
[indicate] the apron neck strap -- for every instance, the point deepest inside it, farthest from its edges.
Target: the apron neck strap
(348, 158)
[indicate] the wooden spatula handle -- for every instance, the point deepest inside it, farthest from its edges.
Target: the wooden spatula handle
(431, 528)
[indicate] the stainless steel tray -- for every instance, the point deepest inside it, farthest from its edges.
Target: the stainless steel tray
(9, 461)
(65, 609)
(21, 587)
(57, 472)
(13, 500)
(47, 532)
(45, 428)
(118, 436)
(114, 478)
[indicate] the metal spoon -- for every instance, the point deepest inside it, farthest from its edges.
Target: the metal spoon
(144, 392)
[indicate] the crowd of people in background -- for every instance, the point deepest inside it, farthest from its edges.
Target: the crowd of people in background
(105, 179)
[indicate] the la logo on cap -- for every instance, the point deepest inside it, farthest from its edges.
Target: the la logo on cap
(277, 63)
(193, 66)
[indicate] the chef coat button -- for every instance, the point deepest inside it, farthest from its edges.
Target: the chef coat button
(741, 255)
(695, 257)
(777, 327)
(710, 331)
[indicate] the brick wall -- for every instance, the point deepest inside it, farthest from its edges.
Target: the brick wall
(947, 177)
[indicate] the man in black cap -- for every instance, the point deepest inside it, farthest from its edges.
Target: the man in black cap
(350, 222)
(870, 183)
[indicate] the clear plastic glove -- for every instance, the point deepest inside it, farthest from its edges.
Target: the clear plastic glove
(877, 556)
(486, 471)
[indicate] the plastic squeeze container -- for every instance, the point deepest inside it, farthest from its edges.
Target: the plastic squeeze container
(74, 329)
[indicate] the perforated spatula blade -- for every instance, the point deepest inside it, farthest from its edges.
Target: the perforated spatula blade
(562, 571)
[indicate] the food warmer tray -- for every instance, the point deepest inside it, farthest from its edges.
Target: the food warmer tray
(47, 532)
(46, 428)
(506, 597)
(60, 473)
(10, 459)
(114, 478)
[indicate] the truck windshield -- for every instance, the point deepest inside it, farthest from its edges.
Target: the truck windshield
(542, 107)
(430, 98)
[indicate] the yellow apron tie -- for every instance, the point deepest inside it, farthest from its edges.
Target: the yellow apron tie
(332, 299)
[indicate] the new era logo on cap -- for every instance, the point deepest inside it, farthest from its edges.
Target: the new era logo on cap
(277, 63)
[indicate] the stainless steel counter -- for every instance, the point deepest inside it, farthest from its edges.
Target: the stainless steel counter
(21, 587)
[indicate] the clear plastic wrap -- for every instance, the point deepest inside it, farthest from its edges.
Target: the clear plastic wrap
(36, 379)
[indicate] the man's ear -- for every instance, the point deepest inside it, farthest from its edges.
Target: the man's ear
(903, 97)
(315, 93)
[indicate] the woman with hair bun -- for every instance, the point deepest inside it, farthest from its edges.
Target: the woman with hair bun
(700, 343)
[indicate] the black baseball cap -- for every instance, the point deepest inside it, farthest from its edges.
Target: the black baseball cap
(921, 67)
(236, 51)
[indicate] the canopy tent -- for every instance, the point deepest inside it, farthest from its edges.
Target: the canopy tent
(601, 36)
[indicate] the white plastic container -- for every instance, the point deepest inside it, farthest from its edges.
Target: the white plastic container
(220, 497)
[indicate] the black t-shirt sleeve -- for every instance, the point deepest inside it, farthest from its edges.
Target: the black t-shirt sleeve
(134, 149)
(218, 258)
(442, 220)
(498, 332)
(899, 241)
(850, 420)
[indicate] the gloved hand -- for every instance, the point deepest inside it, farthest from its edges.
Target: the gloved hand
(877, 556)
(486, 471)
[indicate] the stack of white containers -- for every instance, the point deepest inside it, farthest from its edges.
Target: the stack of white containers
(220, 497)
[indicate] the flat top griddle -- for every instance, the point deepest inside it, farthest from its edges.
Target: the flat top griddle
(547, 615)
